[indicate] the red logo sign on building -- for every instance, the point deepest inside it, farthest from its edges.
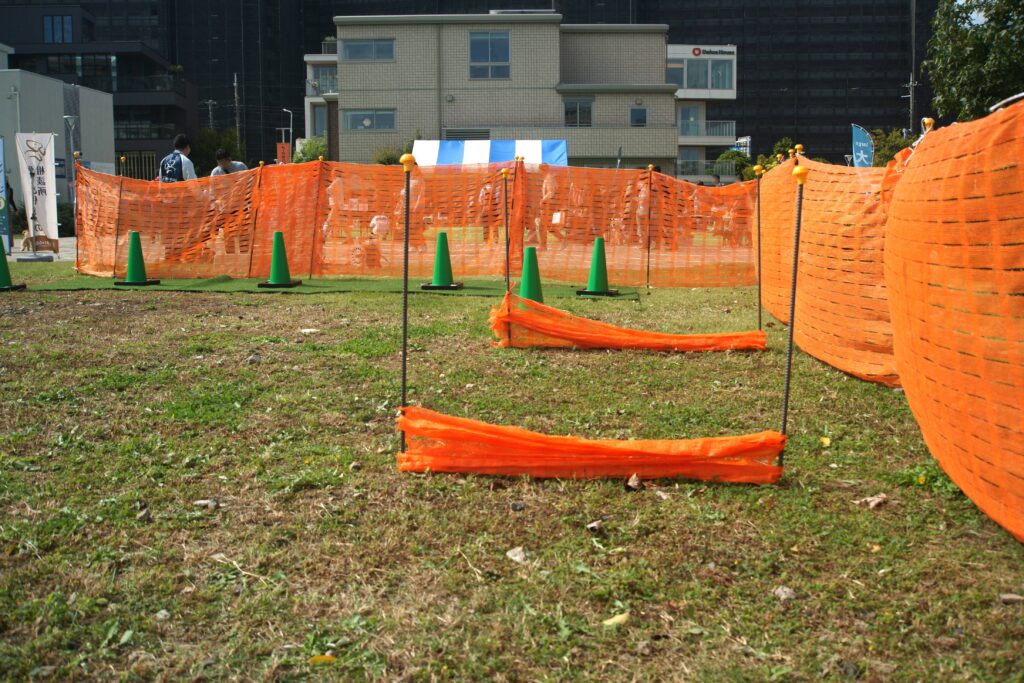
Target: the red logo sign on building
(696, 52)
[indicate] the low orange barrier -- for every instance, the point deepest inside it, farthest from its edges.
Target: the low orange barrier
(441, 443)
(954, 264)
(522, 323)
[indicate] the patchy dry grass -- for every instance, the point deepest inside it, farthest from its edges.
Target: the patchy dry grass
(120, 409)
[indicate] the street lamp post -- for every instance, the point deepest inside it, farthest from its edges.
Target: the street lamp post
(291, 132)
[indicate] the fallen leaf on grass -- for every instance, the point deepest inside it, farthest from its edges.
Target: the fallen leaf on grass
(784, 593)
(634, 483)
(617, 620)
(309, 330)
(322, 659)
(517, 554)
(873, 501)
(825, 441)
(1011, 598)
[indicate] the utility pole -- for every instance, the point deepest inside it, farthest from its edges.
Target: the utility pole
(910, 86)
(238, 125)
(291, 130)
(209, 110)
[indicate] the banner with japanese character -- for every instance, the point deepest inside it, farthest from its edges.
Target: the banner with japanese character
(38, 182)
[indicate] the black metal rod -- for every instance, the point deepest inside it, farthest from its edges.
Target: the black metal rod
(650, 203)
(792, 313)
(405, 300)
(759, 306)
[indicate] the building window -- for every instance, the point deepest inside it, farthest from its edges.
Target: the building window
(370, 119)
(689, 120)
(697, 73)
(579, 113)
(382, 49)
(637, 117)
(676, 73)
(319, 112)
(689, 161)
(57, 28)
(489, 54)
(325, 79)
(721, 74)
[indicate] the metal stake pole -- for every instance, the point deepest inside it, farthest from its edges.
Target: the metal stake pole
(759, 170)
(801, 176)
(408, 162)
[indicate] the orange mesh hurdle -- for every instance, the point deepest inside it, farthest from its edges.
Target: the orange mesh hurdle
(441, 443)
(522, 323)
(955, 271)
(842, 306)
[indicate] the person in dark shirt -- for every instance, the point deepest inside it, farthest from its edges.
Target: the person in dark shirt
(176, 166)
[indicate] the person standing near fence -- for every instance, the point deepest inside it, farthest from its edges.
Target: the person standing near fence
(176, 166)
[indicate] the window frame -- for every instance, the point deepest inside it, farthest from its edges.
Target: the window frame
(577, 101)
(491, 64)
(636, 107)
(374, 43)
(346, 113)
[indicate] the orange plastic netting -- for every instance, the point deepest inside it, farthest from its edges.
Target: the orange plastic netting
(842, 309)
(955, 271)
(522, 323)
(441, 443)
(347, 219)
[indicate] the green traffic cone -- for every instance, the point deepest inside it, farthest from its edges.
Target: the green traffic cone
(5, 274)
(136, 275)
(529, 287)
(280, 278)
(597, 284)
(442, 267)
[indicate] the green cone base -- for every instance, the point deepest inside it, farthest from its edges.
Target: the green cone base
(139, 283)
(431, 286)
(13, 288)
(279, 285)
(606, 292)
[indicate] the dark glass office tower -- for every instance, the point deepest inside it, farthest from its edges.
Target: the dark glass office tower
(809, 68)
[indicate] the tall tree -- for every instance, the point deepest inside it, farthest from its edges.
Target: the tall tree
(974, 55)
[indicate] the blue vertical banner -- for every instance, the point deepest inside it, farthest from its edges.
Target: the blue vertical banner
(863, 147)
(5, 219)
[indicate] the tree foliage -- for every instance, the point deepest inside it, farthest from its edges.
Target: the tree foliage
(974, 55)
(312, 149)
(888, 144)
(741, 162)
(206, 144)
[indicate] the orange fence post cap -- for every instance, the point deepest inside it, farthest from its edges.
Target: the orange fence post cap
(799, 148)
(928, 123)
(504, 172)
(778, 157)
(650, 167)
(407, 161)
(321, 157)
(123, 159)
(800, 172)
(791, 152)
(758, 169)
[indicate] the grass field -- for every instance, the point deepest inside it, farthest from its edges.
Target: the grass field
(122, 409)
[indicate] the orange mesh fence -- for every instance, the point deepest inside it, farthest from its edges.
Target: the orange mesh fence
(522, 323)
(841, 303)
(441, 443)
(955, 271)
(348, 219)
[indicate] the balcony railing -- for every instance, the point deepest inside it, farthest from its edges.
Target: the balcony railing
(707, 129)
(139, 130)
(134, 84)
(322, 86)
(329, 47)
(718, 168)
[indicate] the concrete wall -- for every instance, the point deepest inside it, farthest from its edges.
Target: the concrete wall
(97, 125)
(41, 110)
(4, 51)
(600, 57)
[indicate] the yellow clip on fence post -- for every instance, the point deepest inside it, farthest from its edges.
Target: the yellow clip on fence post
(408, 162)
(799, 149)
(779, 157)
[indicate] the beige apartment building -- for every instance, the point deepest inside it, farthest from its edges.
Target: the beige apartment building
(498, 76)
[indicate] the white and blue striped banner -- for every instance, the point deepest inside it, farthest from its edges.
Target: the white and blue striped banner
(467, 152)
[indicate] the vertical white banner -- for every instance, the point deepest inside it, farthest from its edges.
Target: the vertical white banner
(38, 182)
